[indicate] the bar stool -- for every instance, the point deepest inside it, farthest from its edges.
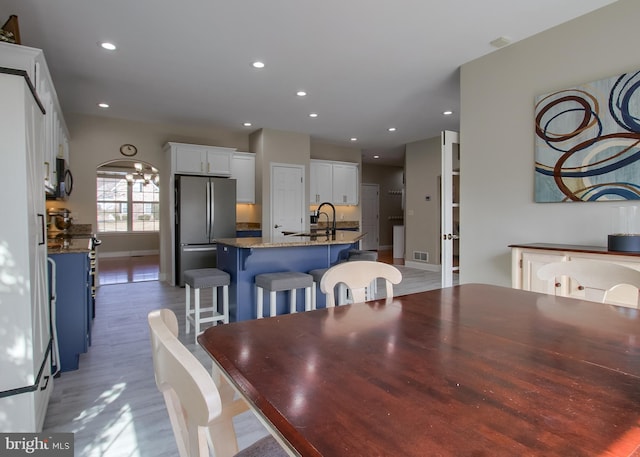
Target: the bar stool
(281, 281)
(200, 279)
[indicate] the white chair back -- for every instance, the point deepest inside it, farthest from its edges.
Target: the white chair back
(191, 396)
(357, 275)
(602, 281)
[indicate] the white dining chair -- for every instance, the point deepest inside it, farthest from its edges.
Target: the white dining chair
(604, 282)
(357, 276)
(199, 417)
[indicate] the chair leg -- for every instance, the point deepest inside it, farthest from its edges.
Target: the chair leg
(308, 303)
(225, 304)
(214, 300)
(196, 296)
(259, 302)
(292, 301)
(313, 295)
(272, 303)
(187, 307)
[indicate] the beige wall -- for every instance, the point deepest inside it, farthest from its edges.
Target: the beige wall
(274, 146)
(388, 179)
(422, 217)
(497, 138)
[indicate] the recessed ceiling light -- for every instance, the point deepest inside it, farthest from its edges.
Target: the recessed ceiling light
(108, 46)
(313, 115)
(103, 105)
(247, 124)
(354, 139)
(301, 93)
(447, 113)
(376, 157)
(258, 64)
(392, 129)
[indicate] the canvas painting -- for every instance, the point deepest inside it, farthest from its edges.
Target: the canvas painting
(587, 142)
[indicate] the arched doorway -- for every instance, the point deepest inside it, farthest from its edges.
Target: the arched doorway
(128, 221)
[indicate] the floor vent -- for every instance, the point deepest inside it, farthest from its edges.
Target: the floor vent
(420, 256)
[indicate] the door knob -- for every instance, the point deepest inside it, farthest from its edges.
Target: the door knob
(277, 226)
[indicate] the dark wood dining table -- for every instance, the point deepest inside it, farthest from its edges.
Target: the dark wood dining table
(472, 370)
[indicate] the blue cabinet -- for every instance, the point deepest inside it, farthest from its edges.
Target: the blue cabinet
(73, 307)
(248, 233)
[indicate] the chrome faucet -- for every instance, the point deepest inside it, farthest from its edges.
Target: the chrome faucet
(333, 224)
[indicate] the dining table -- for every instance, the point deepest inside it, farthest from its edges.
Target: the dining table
(470, 370)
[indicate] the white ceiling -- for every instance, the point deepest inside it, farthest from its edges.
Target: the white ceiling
(366, 65)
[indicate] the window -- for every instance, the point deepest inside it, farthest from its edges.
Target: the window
(124, 206)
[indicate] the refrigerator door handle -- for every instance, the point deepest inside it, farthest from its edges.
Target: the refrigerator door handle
(212, 209)
(199, 248)
(207, 219)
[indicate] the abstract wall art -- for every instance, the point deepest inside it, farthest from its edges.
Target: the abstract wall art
(587, 142)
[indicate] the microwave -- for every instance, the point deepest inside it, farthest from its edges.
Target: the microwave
(64, 184)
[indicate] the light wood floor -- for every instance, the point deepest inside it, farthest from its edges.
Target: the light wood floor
(111, 402)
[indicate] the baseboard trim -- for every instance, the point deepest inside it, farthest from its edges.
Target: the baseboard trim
(423, 266)
(106, 255)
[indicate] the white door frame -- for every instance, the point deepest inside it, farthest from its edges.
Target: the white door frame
(449, 138)
(303, 201)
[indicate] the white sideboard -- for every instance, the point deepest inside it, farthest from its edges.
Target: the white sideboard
(527, 259)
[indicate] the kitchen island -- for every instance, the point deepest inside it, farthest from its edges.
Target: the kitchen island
(244, 258)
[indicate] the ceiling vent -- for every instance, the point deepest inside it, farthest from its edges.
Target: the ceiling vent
(500, 42)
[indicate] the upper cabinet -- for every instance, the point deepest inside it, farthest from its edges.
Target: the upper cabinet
(335, 182)
(321, 181)
(31, 61)
(345, 184)
(200, 160)
(243, 170)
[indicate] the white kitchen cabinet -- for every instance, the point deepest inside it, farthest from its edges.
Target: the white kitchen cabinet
(345, 184)
(56, 136)
(25, 361)
(527, 259)
(243, 170)
(321, 181)
(200, 160)
(335, 182)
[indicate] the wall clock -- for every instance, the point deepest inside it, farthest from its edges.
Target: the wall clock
(128, 150)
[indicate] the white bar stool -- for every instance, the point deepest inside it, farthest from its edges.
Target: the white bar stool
(280, 281)
(200, 279)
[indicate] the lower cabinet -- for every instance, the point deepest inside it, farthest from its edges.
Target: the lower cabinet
(73, 307)
(527, 259)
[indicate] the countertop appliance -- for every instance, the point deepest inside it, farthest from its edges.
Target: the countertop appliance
(205, 211)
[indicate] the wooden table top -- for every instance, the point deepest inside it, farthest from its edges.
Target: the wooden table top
(473, 370)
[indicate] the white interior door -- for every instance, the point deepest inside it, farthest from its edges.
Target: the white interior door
(450, 206)
(370, 201)
(287, 198)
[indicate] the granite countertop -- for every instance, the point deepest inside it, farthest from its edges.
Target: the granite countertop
(75, 246)
(342, 237)
(77, 240)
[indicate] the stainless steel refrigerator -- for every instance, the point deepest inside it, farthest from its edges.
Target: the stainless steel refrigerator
(205, 212)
